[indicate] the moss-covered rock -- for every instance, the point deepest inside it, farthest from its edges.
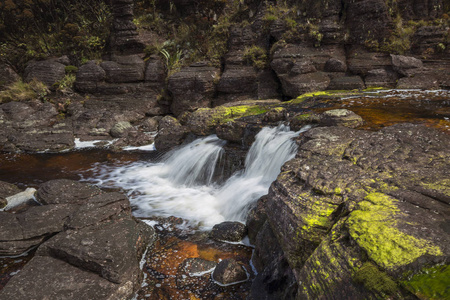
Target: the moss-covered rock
(375, 227)
(204, 120)
(430, 283)
(356, 213)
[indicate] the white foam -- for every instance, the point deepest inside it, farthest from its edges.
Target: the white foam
(150, 147)
(183, 186)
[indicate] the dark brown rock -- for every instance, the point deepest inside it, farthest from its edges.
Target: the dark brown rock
(7, 75)
(171, 134)
(340, 117)
(64, 191)
(323, 199)
(367, 19)
(360, 61)
(381, 78)
(23, 231)
(300, 84)
(88, 75)
(61, 281)
(33, 126)
(346, 83)
(192, 88)
(229, 272)
(124, 37)
(155, 72)
(8, 189)
(335, 65)
(122, 73)
(46, 71)
(402, 64)
(120, 129)
(111, 250)
(229, 231)
(238, 80)
(231, 131)
(100, 209)
(419, 81)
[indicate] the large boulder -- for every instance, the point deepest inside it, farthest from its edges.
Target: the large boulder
(124, 69)
(229, 272)
(170, 134)
(47, 71)
(360, 61)
(294, 86)
(7, 75)
(229, 231)
(355, 210)
(381, 78)
(64, 191)
(403, 64)
(193, 87)
(88, 76)
(301, 68)
(89, 244)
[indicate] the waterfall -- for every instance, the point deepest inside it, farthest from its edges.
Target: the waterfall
(182, 184)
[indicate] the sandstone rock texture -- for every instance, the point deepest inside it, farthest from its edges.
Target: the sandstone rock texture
(33, 126)
(354, 208)
(88, 244)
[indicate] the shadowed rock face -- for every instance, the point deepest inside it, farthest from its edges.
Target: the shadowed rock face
(124, 37)
(88, 243)
(351, 196)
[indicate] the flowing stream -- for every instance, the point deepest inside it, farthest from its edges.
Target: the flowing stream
(182, 183)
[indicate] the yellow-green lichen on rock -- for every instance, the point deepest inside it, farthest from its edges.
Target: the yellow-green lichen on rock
(431, 283)
(204, 120)
(374, 226)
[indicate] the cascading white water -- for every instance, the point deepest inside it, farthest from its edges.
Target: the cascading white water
(182, 185)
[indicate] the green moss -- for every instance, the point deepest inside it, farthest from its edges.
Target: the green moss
(224, 114)
(431, 283)
(374, 88)
(373, 225)
(305, 96)
(375, 280)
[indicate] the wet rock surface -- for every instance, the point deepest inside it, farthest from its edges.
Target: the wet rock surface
(351, 196)
(229, 272)
(87, 241)
(182, 261)
(229, 231)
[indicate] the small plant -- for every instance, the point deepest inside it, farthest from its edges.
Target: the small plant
(21, 91)
(70, 69)
(440, 47)
(172, 60)
(256, 56)
(65, 84)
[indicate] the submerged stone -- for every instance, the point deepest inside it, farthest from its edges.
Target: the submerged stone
(229, 272)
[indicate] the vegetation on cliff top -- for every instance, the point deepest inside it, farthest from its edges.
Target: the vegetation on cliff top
(34, 29)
